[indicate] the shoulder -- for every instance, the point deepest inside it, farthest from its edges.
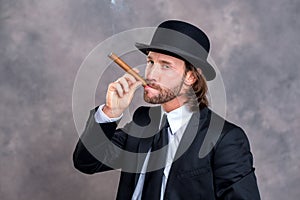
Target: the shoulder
(233, 141)
(226, 131)
(233, 133)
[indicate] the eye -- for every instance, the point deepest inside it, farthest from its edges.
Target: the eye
(150, 62)
(166, 66)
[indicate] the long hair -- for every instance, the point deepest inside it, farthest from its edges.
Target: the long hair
(197, 94)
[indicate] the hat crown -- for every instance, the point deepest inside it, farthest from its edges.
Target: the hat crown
(187, 29)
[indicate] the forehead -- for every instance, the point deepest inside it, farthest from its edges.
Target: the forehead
(164, 57)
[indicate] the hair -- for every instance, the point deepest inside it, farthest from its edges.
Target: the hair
(197, 94)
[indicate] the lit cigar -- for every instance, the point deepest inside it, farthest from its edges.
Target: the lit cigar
(127, 68)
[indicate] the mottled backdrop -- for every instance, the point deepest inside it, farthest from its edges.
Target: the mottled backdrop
(255, 44)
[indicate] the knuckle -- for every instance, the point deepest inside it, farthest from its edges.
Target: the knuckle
(111, 85)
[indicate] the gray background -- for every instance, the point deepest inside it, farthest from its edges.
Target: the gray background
(255, 44)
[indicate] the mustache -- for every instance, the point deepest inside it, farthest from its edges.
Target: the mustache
(153, 85)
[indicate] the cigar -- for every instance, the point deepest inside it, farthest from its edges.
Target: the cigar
(127, 68)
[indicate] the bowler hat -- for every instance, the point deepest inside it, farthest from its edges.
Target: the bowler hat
(184, 41)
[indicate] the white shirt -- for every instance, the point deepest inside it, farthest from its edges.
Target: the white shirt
(178, 120)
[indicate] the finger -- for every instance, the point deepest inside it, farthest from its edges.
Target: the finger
(134, 87)
(119, 89)
(136, 70)
(129, 78)
(123, 82)
(112, 87)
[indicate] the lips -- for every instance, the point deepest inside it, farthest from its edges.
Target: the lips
(154, 86)
(149, 89)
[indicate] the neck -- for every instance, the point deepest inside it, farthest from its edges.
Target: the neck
(173, 104)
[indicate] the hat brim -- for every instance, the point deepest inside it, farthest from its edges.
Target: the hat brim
(207, 70)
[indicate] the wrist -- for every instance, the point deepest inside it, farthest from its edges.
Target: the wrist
(112, 113)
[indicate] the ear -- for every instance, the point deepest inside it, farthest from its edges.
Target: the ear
(189, 78)
(199, 71)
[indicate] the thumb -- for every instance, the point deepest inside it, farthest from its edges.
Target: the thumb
(133, 89)
(136, 85)
(136, 70)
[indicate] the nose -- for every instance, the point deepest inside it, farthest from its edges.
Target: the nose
(152, 72)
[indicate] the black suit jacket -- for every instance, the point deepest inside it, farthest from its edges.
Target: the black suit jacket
(226, 172)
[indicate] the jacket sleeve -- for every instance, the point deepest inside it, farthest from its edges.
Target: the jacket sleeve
(234, 176)
(98, 147)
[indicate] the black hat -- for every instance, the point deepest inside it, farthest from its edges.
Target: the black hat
(184, 41)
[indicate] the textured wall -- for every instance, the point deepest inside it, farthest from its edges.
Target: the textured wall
(42, 44)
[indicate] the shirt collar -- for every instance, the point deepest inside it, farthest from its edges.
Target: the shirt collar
(178, 117)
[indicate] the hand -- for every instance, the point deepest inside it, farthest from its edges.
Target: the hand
(119, 95)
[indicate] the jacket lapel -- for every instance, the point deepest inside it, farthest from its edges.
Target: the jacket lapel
(194, 132)
(144, 145)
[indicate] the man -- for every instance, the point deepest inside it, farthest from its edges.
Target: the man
(165, 162)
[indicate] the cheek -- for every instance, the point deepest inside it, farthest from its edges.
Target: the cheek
(147, 71)
(171, 81)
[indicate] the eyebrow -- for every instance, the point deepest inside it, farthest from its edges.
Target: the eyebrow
(166, 62)
(162, 61)
(149, 57)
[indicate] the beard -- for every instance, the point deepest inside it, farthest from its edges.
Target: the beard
(165, 94)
